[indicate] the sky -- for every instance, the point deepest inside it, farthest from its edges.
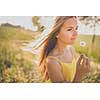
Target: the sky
(26, 21)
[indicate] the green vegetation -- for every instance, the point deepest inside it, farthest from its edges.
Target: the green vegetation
(16, 65)
(90, 50)
(93, 52)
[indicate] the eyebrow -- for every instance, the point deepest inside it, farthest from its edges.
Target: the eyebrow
(71, 27)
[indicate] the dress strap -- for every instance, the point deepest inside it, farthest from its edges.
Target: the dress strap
(52, 57)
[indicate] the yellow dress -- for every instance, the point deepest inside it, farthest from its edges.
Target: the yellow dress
(68, 69)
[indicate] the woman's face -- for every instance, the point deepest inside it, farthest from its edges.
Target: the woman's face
(68, 32)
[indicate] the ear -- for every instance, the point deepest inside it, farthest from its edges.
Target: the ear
(57, 36)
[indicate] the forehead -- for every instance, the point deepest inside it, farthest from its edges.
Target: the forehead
(71, 22)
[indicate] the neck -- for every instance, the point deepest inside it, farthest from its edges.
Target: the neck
(60, 47)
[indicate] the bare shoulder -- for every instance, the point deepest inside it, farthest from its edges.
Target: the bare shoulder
(52, 62)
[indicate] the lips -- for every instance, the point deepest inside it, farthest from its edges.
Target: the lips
(73, 38)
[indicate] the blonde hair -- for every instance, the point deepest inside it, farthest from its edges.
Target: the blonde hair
(50, 42)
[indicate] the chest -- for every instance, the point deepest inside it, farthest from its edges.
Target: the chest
(67, 57)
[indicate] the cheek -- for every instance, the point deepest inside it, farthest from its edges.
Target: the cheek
(65, 36)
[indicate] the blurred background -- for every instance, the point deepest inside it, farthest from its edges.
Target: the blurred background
(19, 34)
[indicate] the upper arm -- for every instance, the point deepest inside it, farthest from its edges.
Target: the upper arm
(54, 70)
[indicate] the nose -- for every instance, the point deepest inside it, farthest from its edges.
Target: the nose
(75, 33)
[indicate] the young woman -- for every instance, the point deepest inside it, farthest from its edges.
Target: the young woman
(57, 61)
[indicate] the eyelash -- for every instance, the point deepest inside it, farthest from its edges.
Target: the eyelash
(69, 30)
(72, 29)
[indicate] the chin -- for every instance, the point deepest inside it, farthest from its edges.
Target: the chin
(72, 42)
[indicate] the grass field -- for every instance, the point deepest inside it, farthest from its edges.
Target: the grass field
(17, 65)
(89, 50)
(93, 52)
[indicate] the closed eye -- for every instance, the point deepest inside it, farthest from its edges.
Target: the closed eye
(69, 29)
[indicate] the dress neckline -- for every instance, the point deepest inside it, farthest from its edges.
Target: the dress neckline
(62, 61)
